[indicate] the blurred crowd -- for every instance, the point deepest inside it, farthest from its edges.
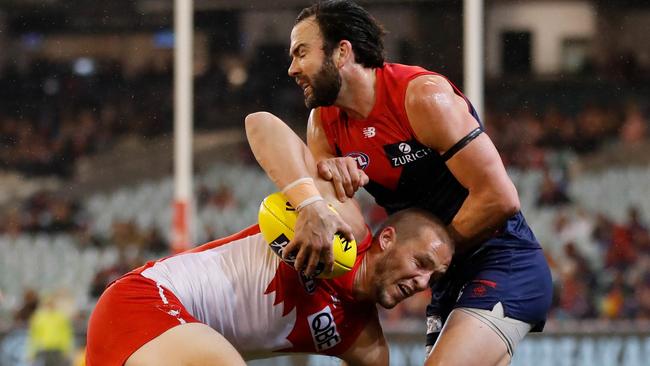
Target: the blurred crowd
(51, 117)
(43, 212)
(602, 268)
(524, 138)
(49, 213)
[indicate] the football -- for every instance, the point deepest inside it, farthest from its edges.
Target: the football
(277, 220)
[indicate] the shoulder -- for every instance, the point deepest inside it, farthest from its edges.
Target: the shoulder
(397, 77)
(438, 115)
(319, 135)
(314, 117)
(404, 70)
(431, 89)
(325, 114)
(430, 99)
(314, 124)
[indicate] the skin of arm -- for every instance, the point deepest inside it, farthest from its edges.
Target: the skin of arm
(369, 349)
(285, 158)
(440, 119)
(342, 172)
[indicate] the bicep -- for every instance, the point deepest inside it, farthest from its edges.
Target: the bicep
(478, 167)
(438, 116)
(441, 120)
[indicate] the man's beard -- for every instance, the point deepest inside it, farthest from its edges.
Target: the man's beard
(325, 86)
(381, 284)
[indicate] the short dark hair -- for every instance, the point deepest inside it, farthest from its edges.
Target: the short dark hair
(344, 20)
(409, 221)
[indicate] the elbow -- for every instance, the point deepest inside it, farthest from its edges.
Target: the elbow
(501, 203)
(256, 123)
(259, 126)
(511, 207)
(510, 203)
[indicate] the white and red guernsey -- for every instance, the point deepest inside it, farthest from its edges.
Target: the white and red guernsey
(243, 290)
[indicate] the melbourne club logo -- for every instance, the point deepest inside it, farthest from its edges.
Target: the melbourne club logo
(369, 132)
(362, 159)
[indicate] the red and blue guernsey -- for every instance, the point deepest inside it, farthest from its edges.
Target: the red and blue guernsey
(405, 173)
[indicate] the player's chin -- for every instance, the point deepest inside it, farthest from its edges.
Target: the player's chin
(387, 301)
(311, 102)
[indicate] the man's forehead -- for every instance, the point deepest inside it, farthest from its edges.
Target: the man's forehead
(306, 32)
(441, 251)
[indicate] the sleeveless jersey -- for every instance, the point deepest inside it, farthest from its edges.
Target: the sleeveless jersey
(404, 172)
(261, 305)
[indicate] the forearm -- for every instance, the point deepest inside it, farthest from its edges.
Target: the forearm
(478, 218)
(286, 160)
(279, 151)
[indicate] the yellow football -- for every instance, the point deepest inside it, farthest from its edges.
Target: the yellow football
(277, 220)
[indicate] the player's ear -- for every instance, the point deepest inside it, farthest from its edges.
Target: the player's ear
(344, 53)
(387, 237)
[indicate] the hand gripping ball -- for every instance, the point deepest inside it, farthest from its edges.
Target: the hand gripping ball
(277, 220)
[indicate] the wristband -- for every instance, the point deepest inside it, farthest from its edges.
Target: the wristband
(309, 201)
(302, 192)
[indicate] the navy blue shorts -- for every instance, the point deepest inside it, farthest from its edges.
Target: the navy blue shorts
(518, 277)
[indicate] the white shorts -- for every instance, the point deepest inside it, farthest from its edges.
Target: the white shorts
(511, 331)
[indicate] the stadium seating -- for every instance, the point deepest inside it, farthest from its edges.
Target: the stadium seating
(47, 262)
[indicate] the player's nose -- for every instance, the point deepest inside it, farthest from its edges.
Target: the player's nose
(421, 282)
(293, 69)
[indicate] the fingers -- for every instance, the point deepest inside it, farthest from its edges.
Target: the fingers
(345, 175)
(324, 170)
(339, 189)
(287, 252)
(308, 258)
(347, 169)
(314, 233)
(355, 174)
(310, 269)
(345, 230)
(313, 257)
(327, 257)
(363, 178)
(302, 257)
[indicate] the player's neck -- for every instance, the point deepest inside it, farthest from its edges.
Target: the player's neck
(357, 95)
(362, 285)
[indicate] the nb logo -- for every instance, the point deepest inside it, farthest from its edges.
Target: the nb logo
(369, 132)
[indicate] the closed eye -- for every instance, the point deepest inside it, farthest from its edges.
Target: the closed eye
(426, 262)
(299, 51)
